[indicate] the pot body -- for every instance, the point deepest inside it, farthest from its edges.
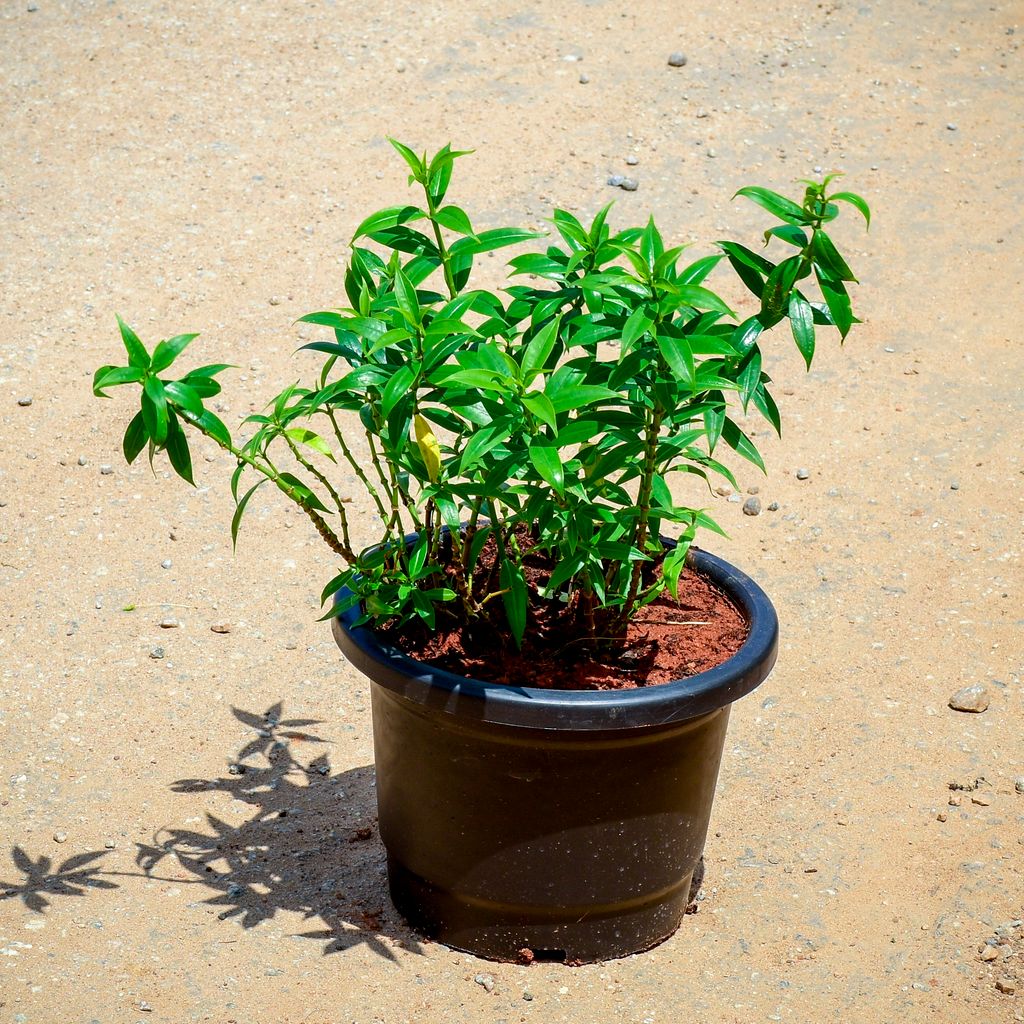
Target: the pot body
(565, 823)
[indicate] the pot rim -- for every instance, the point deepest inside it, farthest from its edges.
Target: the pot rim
(591, 710)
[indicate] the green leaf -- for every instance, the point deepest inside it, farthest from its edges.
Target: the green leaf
(514, 598)
(137, 354)
(108, 376)
(408, 303)
(697, 271)
(403, 239)
(546, 461)
(838, 302)
(209, 424)
(801, 320)
(749, 376)
(184, 395)
(154, 410)
(700, 298)
(135, 438)
(416, 165)
(639, 322)
(570, 229)
(788, 233)
(854, 200)
(777, 289)
(311, 439)
(397, 388)
(298, 489)
(167, 351)
(746, 335)
(535, 357)
(540, 405)
(177, 449)
(387, 218)
(454, 219)
(779, 206)
(827, 256)
(741, 444)
(495, 238)
(679, 356)
(236, 519)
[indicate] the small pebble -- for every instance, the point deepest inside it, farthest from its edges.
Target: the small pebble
(165, 564)
(632, 160)
(629, 185)
(274, 300)
(1018, 784)
(616, 180)
(235, 890)
(773, 507)
(981, 801)
(677, 59)
(106, 470)
(954, 485)
(950, 127)
(802, 474)
(110, 844)
(989, 953)
(528, 995)
(32, 8)
(236, 769)
(486, 981)
(82, 461)
(753, 489)
(954, 801)
(27, 400)
(157, 653)
(60, 837)
(145, 1007)
(710, 153)
(584, 79)
(752, 507)
(221, 627)
(169, 623)
(941, 816)
(734, 499)
(1006, 986)
(973, 699)
(400, 66)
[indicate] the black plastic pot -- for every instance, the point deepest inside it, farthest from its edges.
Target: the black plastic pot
(566, 823)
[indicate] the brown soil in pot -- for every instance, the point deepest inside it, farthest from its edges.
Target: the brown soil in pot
(667, 640)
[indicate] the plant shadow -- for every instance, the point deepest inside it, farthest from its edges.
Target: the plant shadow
(308, 844)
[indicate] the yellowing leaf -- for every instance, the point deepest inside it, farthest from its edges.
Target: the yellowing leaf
(428, 446)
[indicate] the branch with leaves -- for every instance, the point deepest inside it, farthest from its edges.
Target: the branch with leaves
(558, 410)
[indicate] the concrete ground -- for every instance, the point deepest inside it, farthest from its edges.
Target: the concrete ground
(200, 166)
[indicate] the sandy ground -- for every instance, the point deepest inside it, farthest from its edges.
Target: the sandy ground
(201, 167)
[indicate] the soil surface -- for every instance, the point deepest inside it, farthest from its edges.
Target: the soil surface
(675, 636)
(187, 823)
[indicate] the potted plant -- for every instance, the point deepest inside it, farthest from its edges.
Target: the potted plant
(551, 675)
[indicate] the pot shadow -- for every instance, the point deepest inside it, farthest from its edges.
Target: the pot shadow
(309, 846)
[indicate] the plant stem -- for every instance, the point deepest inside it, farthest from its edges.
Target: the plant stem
(335, 497)
(654, 418)
(270, 472)
(442, 249)
(356, 467)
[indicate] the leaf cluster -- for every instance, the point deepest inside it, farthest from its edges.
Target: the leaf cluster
(559, 410)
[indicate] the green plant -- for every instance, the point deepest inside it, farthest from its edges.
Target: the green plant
(551, 418)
